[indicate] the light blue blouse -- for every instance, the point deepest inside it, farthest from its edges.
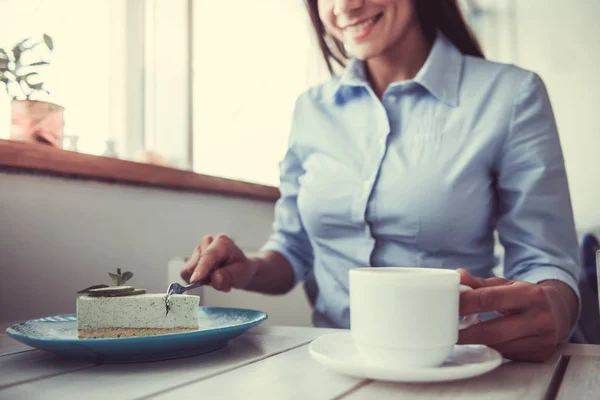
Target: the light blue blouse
(423, 177)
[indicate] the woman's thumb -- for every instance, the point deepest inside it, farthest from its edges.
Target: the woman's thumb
(236, 275)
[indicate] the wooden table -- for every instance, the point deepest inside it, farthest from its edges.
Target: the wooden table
(273, 363)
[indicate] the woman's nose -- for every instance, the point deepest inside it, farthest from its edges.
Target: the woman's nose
(343, 6)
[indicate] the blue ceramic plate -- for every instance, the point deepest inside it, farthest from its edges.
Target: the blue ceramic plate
(58, 335)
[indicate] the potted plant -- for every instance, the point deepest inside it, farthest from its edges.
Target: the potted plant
(33, 119)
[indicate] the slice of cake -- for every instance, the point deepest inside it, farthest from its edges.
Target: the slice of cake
(123, 311)
(135, 315)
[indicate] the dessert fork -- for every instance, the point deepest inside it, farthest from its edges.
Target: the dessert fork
(176, 288)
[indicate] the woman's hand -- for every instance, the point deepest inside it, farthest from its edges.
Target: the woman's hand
(220, 259)
(532, 320)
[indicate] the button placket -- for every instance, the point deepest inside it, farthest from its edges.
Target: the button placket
(371, 166)
(383, 141)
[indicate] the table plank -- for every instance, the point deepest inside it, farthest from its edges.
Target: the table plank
(579, 349)
(297, 331)
(582, 379)
(32, 365)
(9, 345)
(129, 381)
(290, 375)
(511, 380)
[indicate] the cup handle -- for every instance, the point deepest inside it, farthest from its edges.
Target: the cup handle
(468, 320)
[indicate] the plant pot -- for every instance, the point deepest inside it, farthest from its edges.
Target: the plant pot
(37, 121)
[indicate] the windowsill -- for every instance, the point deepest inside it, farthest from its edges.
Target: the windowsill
(46, 159)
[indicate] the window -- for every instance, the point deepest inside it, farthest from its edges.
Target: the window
(87, 72)
(249, 67)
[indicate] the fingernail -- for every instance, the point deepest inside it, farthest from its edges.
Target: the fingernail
(194, 277)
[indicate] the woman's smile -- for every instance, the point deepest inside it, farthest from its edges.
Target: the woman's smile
(359, 30)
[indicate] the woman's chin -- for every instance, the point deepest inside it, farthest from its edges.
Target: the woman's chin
(364, 51)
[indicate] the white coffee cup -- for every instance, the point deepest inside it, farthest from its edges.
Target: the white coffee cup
(406, 317)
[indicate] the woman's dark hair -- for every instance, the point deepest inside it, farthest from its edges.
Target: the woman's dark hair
(433, 15)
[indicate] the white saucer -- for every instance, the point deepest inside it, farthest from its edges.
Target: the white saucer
(338, 352)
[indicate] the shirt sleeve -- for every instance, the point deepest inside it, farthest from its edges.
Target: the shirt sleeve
(536, 224)
(289, 237)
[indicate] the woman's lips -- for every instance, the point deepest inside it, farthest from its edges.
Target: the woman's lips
(361, 30)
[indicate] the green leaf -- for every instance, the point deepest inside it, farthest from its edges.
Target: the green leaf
(27, 75)
(36, 86)
(22, 42)
(35, 64)
(18, 49)
(49, 42)
(17, 53)
(126, 276)
(115, 278)
(86, 290)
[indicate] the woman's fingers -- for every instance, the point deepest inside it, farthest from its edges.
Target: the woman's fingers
(469, 280)
(210, 254)
(236, 275)
(496, 331)
(214, 256)
(514, 295)
(192, 262)
(529, 348)
(506, 329)
(221, 260)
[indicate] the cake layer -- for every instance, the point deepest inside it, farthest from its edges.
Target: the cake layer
(140, 311)
(128, 332)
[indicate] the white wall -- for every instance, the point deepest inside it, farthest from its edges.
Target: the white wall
(60, 235)
(559, 40)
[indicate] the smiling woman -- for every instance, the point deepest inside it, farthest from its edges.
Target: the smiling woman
(414, 156)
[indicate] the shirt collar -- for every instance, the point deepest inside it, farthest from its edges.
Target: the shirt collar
(354, 75)
(442, 71)
(440, 74)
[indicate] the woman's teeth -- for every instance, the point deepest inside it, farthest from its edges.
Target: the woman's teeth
(362, 26)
